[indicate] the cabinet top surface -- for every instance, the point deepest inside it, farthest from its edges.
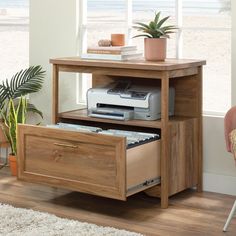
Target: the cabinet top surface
(140, 64)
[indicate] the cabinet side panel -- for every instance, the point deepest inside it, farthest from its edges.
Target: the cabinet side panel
(186, 91)
(183, 156)
(183, 166)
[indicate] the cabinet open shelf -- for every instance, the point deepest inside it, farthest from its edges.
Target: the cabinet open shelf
(81, 114)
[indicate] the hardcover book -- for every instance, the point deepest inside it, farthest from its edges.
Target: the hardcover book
(116, 57)
(112, 50)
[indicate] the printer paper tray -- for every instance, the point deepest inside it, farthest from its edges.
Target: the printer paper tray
(115, 114)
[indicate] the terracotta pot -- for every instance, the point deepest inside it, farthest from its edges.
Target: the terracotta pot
(13, 164)
(117, 39)
(155, 49)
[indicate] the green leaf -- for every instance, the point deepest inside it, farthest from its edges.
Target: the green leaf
(170, 32)
(3, 95)
(152, 25)
(11, 123)
(157, 17)
(12, 114)
(154, 28)
(155, 33)
(24, 82)
(32, 108)
(142, 24)
(142, 35)
(139, 28)
(21, 111)
(168, 27)
(165, 36)
(162, 21)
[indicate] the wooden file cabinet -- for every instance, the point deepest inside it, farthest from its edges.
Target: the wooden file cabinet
(100, 164)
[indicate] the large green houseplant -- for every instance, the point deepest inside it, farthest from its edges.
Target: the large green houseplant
(155, 33)
(22, 83)
(13, 92)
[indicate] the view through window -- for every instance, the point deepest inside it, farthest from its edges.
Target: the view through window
(14, 36)
(204, 33)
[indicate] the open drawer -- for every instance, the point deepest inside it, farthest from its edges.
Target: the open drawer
(86, 162)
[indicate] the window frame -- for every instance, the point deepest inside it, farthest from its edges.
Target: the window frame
(20, 60)
(82, 39)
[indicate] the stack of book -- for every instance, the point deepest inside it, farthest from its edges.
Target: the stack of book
(116, 53)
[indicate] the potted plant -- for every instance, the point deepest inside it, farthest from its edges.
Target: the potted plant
(22, 83)
(155, 37)
(13, 114)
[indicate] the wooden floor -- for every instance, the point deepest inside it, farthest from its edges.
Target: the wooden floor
(190, 213)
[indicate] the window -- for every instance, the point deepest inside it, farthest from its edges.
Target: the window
(14, 36)
(204, 33)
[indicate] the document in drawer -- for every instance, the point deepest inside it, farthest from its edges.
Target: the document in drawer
(132, 138)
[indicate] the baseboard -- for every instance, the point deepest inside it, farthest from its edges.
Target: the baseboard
(219, 183)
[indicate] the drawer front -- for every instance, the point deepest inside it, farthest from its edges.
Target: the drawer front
(85, 162)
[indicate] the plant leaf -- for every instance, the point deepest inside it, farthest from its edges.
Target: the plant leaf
(157, 17)
(161, 22)
(21, 110)
(152, 25)
(142, 35)
(31, 108)
(142, 24)
(154, 29)
(168, 27)
(24, 82)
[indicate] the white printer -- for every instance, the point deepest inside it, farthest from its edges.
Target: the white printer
(124, 101)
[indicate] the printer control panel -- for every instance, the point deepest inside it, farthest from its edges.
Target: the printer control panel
(122, 88)
(134, 94)
(119, 87)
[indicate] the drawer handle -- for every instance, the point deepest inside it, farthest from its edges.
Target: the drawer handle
(65, 145)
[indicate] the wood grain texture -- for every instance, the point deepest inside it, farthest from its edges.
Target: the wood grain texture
(82, 115)
(111, 71)
(199, 131)
(189, 213)
(183, 169)
(183, 72)
(99, 81)
(186, 93)
(55, 94)
(165, 162)
(131, 73)
(143, 163)
(86, 162)
(183, 151)
(167, 65)
(185, 76)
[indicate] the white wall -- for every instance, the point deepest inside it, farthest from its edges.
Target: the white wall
(219, 166)
(233, 5)
(53, 34)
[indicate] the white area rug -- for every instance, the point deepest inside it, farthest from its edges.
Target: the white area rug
(24, 222)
